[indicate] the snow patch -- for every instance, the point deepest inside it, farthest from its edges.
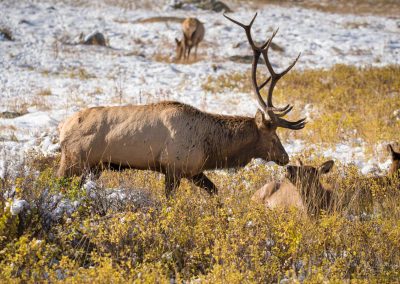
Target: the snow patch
(18, 206)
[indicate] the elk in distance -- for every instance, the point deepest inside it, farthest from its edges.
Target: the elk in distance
(193, 33)
(301, 189)
(176, 139)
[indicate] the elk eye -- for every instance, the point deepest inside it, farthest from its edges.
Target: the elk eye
(269, 124)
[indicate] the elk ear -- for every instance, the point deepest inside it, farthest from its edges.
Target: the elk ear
(390, 149)
(259, 118)
(326, 167)
(395, 155)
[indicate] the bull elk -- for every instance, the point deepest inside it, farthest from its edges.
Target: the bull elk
(176, 139)
(193, 34)
(301, 189)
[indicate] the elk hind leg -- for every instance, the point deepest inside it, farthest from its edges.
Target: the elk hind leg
(201, 180)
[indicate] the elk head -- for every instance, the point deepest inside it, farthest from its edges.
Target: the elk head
(307, 180)
(395, 167)
(307, 176)
(269, 141)
(180, 48)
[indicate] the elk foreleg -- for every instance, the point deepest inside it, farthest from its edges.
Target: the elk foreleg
(195, 51)
(171, 184)
(188, 52)
(201, 180)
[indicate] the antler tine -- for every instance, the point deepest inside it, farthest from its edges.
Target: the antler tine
(247, 29)
(239, 23)
(284, 112)
(295, 125)
(277, 117)
(275, 76)
(256, 88)
(256, 56)
(274, 113)
(290, 66)
(265, 83)
(265, 53)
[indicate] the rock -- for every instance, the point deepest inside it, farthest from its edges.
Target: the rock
(212, 5)
(176, 4)
(11, 114)
(246, 59)
(95, 38)
(6, 34)
(27, 22)
(218, 6)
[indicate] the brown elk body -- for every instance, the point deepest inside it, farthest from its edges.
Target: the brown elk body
(301, 189)
(174, 138)
(193, 33)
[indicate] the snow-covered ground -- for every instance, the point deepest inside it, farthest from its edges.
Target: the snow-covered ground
(80, 76)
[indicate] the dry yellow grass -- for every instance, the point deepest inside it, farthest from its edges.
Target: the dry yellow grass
(44, 92)
(226, 239)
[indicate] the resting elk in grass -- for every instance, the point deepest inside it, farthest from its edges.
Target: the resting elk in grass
(394, 170)
(193, 34)
(301, 189)
(176, 139)
(365, 198)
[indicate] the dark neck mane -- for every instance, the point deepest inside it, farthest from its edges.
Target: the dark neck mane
(233, 143)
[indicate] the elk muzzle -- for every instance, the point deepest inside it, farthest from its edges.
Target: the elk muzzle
(282, 160)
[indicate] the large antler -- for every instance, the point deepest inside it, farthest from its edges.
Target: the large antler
(274, 113)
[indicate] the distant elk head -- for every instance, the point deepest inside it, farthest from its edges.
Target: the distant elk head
(268, 125)
(395, 167)
(302, 189)
(180, 48)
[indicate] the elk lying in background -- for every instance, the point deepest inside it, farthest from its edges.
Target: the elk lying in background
(301, 189)
(176, 139)
(193, 34)
(364, 197)
(394, 170)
